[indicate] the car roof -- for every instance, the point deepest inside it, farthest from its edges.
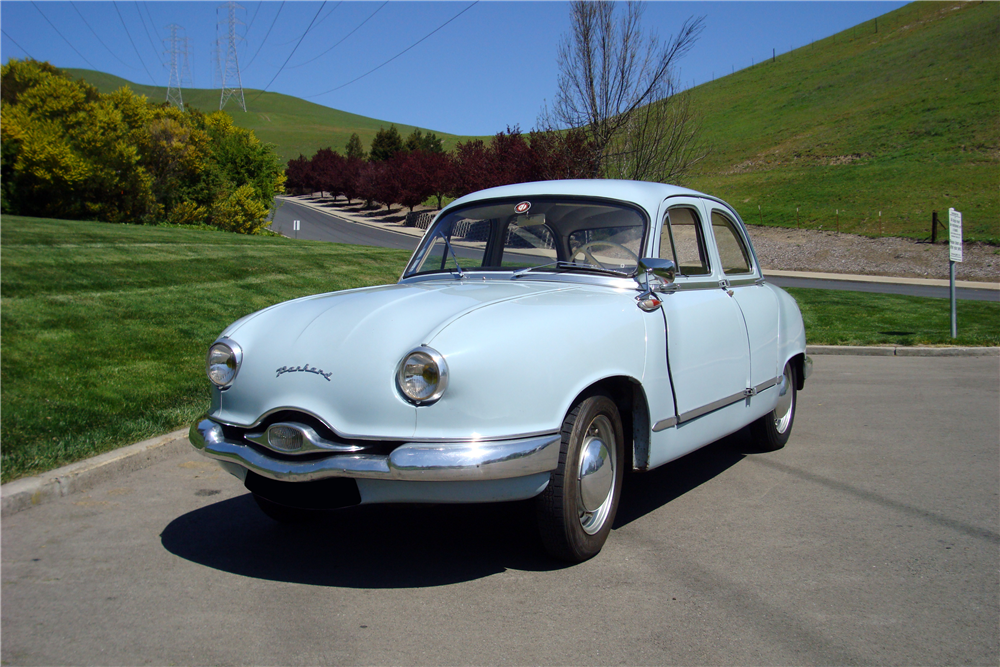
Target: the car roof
(646, 194)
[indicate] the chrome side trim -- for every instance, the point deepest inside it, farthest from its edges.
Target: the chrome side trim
(740, 282)
(767, 384)
(715, 405)
(463, 461)
(683, 287)
(711, 407)
(664, 424)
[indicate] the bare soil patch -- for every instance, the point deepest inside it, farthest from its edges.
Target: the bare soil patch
(784, 249)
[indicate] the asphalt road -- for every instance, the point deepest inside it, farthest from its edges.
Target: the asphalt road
(931, 291)
(318, 226)
(872, 538)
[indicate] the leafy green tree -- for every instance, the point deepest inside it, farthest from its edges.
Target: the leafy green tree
(418, 141)
(385, 144)
(70, 152)
(355, 151)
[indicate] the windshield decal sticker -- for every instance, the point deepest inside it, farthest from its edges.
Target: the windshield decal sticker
(522, 207)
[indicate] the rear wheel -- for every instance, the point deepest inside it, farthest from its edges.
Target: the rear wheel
(771, 431)
(577, 509)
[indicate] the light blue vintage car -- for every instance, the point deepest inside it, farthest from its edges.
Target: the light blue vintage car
(544, 338)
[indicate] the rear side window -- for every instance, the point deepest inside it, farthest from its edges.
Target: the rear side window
(682, 242)
(732, 250)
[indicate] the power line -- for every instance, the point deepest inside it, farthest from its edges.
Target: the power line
(398, 54)
(143, 22)
(343, 38)
(308, 28)
(99, 37)
(330, 12)
(317, 25)
(61, 35)
(132, 42)
(265, 36)
(16, 44)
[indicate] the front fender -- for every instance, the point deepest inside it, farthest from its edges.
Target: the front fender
(515, 367)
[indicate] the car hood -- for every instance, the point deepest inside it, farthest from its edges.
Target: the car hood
(335, 355)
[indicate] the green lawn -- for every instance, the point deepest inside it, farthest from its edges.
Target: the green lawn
(834, 317)
(105, 327)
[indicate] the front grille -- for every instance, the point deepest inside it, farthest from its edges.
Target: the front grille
(238, 433)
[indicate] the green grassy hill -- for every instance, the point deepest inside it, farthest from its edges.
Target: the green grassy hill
(904, 120)
(293, 125)
(900, 116)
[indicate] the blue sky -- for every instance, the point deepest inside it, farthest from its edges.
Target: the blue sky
(493, 65)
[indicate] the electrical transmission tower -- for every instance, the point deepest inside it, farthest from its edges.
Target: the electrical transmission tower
(177, 51)
(232, 83)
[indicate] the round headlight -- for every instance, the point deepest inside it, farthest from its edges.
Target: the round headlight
(422, 376)
(223, 363)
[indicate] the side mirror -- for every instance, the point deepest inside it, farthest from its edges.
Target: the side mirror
(661, 268)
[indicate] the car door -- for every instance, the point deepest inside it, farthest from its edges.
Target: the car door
(758, 304)
(707, 351)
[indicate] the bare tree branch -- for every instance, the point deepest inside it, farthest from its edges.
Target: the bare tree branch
(616, 84)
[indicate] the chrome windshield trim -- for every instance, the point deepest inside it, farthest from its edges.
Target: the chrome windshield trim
(413, 461)
(471, 276)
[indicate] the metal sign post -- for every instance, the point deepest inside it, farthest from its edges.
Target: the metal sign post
(954, 255)
(295, 227)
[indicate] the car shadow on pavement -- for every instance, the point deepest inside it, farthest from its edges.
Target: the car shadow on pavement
(372, 546)
(412, 546)
(646, 492)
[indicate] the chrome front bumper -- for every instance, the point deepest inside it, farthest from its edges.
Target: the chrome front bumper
(414, 462)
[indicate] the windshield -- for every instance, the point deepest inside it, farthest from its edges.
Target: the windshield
(550, 234)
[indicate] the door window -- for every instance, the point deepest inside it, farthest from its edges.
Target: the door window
(732, 250)
(681, 241)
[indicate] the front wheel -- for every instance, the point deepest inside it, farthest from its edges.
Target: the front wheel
(771, 431)
(577, 509)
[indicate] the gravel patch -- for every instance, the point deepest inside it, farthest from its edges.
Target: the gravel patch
(785, 249)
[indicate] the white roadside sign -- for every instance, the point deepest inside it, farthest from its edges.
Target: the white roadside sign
(955, 235)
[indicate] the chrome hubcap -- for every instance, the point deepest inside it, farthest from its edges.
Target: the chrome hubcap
(596, 474)
(783, 410)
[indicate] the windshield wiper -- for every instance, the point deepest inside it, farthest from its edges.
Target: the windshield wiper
(447, 244)
(563, 264)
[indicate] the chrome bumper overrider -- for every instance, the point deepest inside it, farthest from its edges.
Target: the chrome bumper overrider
(416, 461)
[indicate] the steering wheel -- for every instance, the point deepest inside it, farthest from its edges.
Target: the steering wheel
(585, 249)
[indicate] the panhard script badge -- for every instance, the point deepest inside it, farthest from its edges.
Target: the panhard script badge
(522, 207)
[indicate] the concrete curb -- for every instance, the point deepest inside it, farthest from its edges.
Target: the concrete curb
(83, 475)
(892, 351)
